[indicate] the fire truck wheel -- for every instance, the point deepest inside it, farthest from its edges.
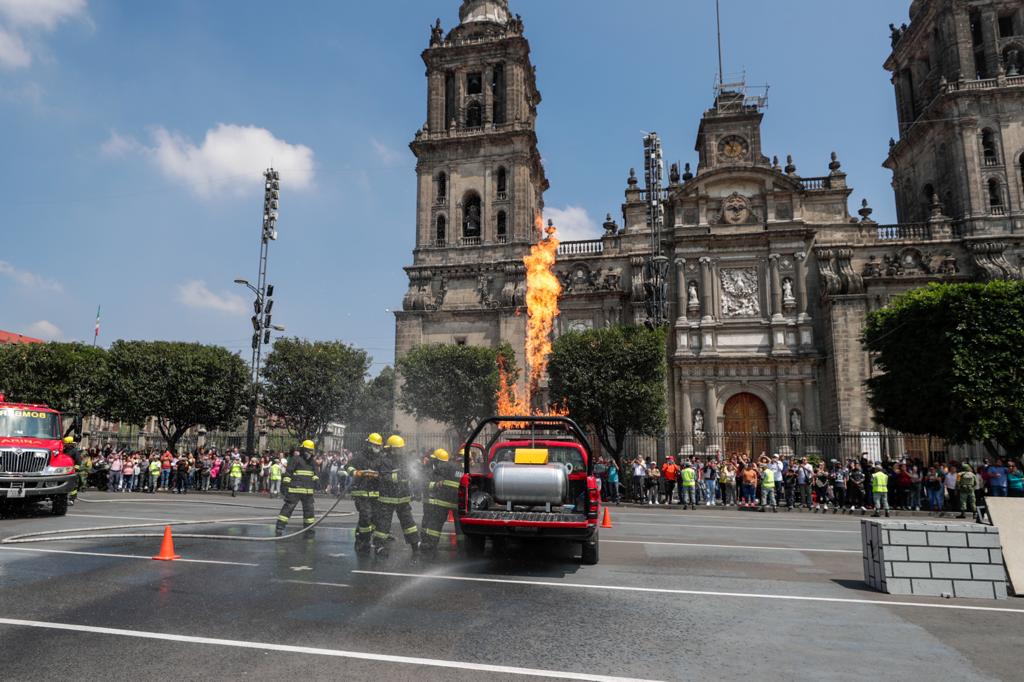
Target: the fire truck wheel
(590, 553)
(60, 505)
(475, 545)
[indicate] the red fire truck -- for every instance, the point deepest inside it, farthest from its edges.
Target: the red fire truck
(533, 478)
(32, 460)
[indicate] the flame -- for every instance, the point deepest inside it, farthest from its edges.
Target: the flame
(542, 292)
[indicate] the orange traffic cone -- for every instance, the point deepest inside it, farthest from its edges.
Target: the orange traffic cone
(167, 547)
(453, 537)
(451, 516)
(606, 522)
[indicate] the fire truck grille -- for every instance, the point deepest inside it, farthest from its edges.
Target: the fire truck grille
(23, 461)
(527, 516)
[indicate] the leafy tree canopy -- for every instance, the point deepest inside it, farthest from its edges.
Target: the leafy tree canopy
(180, 384)
(452, 384)
(374, 412)
(310, 384)
(69, 377)
(951, 363)
(612, 380)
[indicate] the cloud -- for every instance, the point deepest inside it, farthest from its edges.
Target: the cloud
(195, 294)
(13, 54)
(29, 280)
(387, 155)
(231, 158)
(573, 223)
(45, 14)
(25, 16)
(45, 330)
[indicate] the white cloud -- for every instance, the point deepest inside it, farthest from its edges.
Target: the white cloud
(21, 16)
(45, 330)
(13, 54)
(387, 155)
(44, 14)
(29, 280)
(231, 158)
(573, 223)
(195, 294)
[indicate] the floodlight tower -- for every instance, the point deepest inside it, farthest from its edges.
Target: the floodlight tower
(264, 303)
(656, 267)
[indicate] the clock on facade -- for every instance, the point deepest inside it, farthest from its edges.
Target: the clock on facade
(733, 147)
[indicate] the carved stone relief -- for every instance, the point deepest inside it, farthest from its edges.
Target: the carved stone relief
(740, 292)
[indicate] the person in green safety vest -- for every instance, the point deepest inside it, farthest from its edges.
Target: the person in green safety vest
(154, 474)
(768, 496)
(235, 474)
(688, 484)
(880, 490)
(275, 478)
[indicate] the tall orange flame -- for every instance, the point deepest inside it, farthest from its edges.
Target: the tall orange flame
(542, 292)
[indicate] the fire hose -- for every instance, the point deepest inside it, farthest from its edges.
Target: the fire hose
(59, 535)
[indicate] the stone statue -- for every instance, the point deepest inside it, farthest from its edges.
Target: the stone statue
(473, 220)
(436, 34)
(796, 422)
(692, 296)
(740, 292)
(673, 175)
(698, 421)
(787, 291)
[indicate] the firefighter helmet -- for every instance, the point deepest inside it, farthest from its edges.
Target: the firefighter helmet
(308, 445)
(396, 442)
(440, 454)
(375, 439)
(68, 440)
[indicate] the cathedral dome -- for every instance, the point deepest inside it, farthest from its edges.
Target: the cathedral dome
(494, 11)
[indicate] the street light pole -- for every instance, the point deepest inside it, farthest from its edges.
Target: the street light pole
(264, 303)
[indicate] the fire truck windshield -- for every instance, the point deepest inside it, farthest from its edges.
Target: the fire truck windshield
(27, 423)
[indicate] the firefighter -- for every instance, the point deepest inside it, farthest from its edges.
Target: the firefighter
(298, 479)
(442, 496)
(364, 470)
(395, 498)
(72, 451)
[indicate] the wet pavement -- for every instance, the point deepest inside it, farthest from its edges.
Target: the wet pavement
(676, 596)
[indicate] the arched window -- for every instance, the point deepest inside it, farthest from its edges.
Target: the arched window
(471, 216)
(995, 196)
(441, 235)
(502, 227)
(442, 188)
(502, 181)
(475, 115)
(988, 147)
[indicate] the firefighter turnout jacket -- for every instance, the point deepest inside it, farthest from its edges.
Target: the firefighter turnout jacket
(299, 477)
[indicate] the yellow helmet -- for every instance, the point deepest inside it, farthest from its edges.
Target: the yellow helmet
(375, 439)
(68, 440)
(308, 445)
(440, 454)
(396, 442)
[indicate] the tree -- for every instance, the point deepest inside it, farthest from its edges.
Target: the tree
(951, 363)
(66, 376)
(374, 412)
(613, 382)
(452, 384)
(181, 385)
(310, 384)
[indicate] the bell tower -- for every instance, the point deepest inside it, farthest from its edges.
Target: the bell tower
(480, 177)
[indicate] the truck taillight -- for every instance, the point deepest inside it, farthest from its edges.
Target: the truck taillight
(464, 493)
(593, 498)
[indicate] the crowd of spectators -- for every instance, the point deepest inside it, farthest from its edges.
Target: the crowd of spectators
(739, 480)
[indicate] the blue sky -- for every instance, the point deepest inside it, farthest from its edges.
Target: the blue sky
(134, 135)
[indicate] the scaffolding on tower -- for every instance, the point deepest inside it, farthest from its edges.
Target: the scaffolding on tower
(656, 266)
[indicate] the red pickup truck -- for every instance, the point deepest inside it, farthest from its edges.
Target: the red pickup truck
(533, 478)
(32, 460)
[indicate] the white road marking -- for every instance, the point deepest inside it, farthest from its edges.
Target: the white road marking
(120, 556)
(309, 582)
(269, 521)
(699, 593)
(338, 653)
(301, 568)
(697, 544)
(757, 528)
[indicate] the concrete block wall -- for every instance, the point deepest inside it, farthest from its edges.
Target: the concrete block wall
(933, 559)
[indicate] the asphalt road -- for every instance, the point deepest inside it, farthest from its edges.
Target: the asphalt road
(676, 596)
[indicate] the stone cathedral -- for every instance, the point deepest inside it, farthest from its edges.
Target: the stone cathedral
(770, 275)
